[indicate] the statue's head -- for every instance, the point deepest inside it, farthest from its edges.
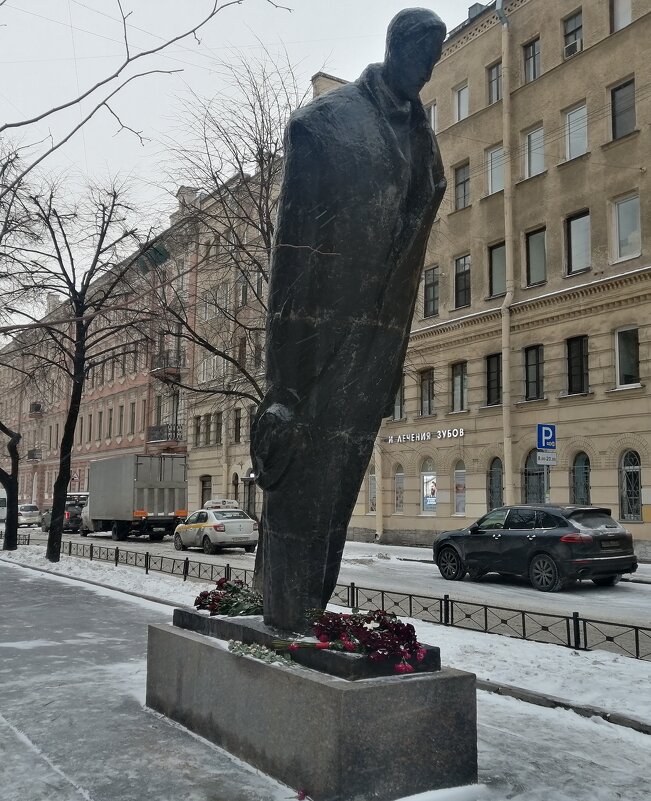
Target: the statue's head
(414, 43)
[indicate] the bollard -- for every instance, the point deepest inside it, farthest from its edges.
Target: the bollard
(186, 565)
(351, 595)
(227, 572)
(116, 555)
(91, 552)
(69, 547)
(146, 562)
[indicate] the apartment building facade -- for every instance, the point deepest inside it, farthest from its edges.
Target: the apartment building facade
(536, 294)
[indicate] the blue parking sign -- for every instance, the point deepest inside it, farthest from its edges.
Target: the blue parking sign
(546, 437)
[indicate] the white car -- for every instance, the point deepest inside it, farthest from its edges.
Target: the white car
(28, 515)
(213, 529)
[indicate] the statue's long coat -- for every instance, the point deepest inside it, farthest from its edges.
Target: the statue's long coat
(363, 181)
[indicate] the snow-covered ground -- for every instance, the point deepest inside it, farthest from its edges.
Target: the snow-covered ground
(526, 752)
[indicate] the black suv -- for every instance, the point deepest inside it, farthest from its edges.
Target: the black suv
(551, 545)
(71, 519)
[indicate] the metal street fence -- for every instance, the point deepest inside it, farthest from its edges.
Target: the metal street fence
(571, 631)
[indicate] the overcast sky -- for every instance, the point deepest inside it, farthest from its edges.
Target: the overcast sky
(50, 49)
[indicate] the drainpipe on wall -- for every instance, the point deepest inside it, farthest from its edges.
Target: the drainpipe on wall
(509, 242)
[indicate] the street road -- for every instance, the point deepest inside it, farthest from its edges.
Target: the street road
(391, 568)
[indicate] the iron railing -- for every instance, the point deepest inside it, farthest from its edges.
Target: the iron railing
(571, 630)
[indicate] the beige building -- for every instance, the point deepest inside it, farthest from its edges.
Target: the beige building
(536, 296)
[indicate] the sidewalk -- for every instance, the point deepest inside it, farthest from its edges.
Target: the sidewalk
(73, 725)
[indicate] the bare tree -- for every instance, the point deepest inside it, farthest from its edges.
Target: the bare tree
(85, 254)
(9, 481)
(99, 96)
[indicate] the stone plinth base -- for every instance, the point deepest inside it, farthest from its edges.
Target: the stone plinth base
(366, 740)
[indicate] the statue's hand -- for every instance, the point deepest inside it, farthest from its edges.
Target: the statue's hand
(272, 441)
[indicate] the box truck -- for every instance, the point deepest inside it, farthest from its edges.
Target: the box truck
(136, 494)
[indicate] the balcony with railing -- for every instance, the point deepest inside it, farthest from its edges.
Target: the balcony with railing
(167, 432)
(169, 363)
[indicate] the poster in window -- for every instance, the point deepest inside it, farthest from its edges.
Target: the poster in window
(429, 492)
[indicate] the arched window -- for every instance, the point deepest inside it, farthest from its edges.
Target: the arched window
(205, 489)
(236, 486)
(399, 489)
(580, 479)
(534, 483)
(371, 504)
(495, 485)
(428, 486)
(460, 488)
(630, 486)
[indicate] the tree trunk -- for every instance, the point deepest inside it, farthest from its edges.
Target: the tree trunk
(10, 483)
(60, 490)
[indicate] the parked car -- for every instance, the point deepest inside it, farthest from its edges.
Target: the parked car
(551, 545)
(28, 515)
(212, 529)
(71, 519)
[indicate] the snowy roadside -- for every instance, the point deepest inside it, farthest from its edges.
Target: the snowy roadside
(597, 678)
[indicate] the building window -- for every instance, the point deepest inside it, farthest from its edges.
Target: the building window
(427, 391)
(132, 417)
(580, 480)
(399, 403)
(461, 103)
(630, 486)
(218, 424)
(462, 282)
(432, 116)
(627, 236)
(459, 386)
(428, 486)
(207, 420)
(573, 33)
(143, 414)
(80, 434)
(251, 415)
(534, 482)
(120, 420)
(495, 485)
(577, 365)
(577, 234)
(497, 269)
(89, 433)
(620, 14)
(622, 105)
(494, 75)
(205, 483)
(237, 427)
(533, 372)
(627, 356)
(536, 257)
(462, 186)
(431, 292)
(534, 153)
(576, 132)
(460, 488)
(494, 379)
(371, 500)
(241, 352)
(109, 424)
(399, 490)
(531, 61)
(197, 431)
(495, 169)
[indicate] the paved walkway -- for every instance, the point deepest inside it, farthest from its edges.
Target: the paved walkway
(72, 721)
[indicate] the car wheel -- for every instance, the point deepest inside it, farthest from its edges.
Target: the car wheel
(208, 547)
(118, 532)
(178, 543)
(543, 574)
(249, 548)
(450, 565)
(607, 581)
(156, 537)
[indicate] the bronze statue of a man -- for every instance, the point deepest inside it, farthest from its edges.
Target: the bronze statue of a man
(362, 183)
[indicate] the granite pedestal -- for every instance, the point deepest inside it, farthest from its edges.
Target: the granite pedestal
(364, 740)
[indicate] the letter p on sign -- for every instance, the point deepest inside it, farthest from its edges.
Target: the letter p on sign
(546, 437)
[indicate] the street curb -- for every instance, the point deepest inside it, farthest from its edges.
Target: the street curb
(553, 702)
(507, 690)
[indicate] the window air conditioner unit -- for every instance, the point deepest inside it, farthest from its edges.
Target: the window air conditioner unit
(573, 48)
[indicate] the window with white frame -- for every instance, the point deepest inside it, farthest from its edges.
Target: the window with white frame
(428, 486)
(577, 235)
(627, 238)
(627, 357)
(534, 152)
(399, 402)
(497, 269)
(461, 106)
(459, 386)
(536, 256)
(432, 116)
(495, 169)
(494, 77)
(620, 14)
(462, 186)
(399, 490)
(532, 65)
(460, 488)
(576, 132)
(622, 109)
